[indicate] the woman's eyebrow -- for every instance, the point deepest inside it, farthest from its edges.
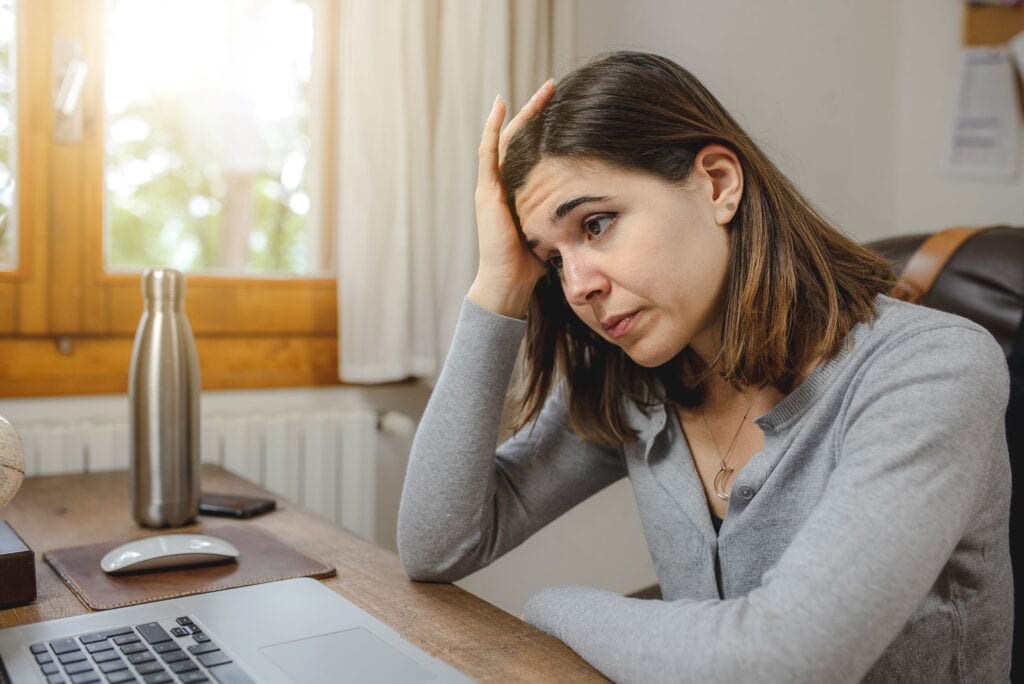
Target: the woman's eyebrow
(565, 207)
(562, 211)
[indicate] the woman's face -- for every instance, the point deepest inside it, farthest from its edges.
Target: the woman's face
(642, 261)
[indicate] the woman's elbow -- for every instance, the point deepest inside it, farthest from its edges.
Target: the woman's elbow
(423, 566)
(425, 560)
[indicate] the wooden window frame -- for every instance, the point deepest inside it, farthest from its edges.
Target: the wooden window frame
(66, 326)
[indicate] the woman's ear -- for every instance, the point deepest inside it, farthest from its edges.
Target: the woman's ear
(720, 168)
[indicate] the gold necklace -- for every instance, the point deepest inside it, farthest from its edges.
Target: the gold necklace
(725, 470)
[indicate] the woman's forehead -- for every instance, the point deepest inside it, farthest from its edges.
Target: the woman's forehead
(555, 180)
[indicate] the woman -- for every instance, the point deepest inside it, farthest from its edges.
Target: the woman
(821, 470)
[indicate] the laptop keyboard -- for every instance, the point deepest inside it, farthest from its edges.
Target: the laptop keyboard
(177, 650)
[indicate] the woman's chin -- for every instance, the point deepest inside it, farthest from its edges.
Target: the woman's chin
(647, 356)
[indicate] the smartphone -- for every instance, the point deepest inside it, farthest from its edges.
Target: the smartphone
(234, 505)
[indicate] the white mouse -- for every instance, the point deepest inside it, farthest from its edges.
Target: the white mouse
(167, 551)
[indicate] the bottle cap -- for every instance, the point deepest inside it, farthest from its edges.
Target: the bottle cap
(163, 284)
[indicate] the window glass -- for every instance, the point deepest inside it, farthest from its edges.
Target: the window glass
(208, 137)
(8, 147)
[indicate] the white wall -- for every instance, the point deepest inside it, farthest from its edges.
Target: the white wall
(928, 64)
(852, 99)
(600, 543)
(814, 83)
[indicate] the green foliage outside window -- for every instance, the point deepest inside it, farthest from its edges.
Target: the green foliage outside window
(179, 158)
(165, 202)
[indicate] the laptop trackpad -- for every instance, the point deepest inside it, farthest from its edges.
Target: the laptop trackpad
(352, 655)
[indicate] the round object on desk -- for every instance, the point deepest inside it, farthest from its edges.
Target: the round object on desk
(12, 462)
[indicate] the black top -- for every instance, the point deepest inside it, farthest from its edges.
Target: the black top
(716, 522)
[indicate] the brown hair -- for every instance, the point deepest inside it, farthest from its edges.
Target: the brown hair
(795, 285)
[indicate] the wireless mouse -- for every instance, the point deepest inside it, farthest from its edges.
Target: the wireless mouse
(168, 551)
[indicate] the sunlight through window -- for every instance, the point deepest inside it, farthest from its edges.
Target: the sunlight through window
(208, 143)
(8, 146)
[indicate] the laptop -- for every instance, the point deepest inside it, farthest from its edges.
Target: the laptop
(291, 631)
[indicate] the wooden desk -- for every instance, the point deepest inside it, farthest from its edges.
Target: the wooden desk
(479, 639)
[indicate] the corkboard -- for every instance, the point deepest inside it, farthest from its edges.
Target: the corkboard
(991, 24)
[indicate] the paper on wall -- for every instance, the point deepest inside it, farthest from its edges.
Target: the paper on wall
(983, 136)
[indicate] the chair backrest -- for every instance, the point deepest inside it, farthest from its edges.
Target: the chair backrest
(984, 281)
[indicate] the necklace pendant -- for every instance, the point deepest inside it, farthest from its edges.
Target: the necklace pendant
(722, 481)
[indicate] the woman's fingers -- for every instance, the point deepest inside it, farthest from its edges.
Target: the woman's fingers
(508, 271)
(488, 170)
(536, 103)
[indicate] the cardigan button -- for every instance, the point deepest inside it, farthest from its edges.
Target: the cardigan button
(747, 493)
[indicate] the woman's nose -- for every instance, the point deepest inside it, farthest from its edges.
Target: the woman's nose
(582, 281)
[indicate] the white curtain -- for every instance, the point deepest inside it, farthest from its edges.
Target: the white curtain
(417, 78)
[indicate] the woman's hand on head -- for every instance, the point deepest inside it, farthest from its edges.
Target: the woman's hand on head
(508, 271)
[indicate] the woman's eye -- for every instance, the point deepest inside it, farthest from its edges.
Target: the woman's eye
(595, 226)
(555, 262)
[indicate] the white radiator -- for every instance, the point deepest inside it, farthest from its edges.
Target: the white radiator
(324, 461)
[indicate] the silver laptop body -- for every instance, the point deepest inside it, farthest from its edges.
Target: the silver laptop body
(293, 631)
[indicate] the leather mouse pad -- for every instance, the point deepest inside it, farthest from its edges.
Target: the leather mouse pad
(262, 558)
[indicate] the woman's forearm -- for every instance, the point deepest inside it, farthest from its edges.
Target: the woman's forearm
(451, 476)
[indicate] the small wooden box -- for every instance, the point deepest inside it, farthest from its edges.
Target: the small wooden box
(17, 569)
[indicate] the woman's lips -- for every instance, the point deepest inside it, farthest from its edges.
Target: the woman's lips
(620, 325)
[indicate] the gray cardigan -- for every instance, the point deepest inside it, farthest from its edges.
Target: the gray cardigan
(867, 541)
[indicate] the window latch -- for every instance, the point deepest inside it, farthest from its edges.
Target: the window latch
(70, 73)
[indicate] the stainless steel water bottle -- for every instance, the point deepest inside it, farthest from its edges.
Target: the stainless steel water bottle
(163, 394)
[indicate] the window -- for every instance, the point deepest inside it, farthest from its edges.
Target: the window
(207, 149)
(8, 168)
(198, 139)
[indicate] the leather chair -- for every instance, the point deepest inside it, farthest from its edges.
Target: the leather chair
(983, 280)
